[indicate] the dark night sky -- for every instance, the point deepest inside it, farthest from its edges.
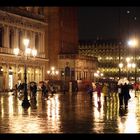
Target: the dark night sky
(104, 22)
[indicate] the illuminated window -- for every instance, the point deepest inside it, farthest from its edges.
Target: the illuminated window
(40, 11)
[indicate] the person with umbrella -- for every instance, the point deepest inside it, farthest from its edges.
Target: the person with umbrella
(123, 90)
(33, 88)
(44, 90)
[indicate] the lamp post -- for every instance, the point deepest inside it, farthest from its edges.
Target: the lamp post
(134, 43)
(129, 65)
(120, 67)
(26, 53)
(98, 74)
(52, 72)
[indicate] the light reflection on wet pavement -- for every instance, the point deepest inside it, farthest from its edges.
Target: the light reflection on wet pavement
(68, 113)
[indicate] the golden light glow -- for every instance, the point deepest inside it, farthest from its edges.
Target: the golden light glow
(27, 51)
(129, 65)
(53, 112)
(120, 65)
(133, 65)
(56, 72)
(16, 51)
(34, 52)
(26, 42)
(52, 68)
(128, 59)
(48, 71)
(102, 74)
(133, 42)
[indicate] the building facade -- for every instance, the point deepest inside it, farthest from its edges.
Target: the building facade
(63, 39)
(52, 31)
(109, 54)
(17, 23)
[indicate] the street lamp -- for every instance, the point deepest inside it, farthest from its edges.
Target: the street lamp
(128, 65)
(26, 53)
(98, 74)
(52, 72)
(134, 43)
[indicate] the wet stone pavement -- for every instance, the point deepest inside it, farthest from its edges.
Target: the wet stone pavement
(68, 113)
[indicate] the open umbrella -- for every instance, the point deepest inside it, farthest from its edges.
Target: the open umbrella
(123, 81)
(126, 81)
(32, 82)
(41, 82)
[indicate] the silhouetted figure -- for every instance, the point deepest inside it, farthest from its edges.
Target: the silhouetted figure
(105, 91)
(124, 95)
(99, 105)
(33, 89)
(20, 88)
(64, 88)
(33, 103)
(44, 91)
(98, 89)
(89, 90)
(52, 89)
(120, 95)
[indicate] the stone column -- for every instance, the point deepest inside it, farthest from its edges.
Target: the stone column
(23, 36)
(39, 42)
(6, 75)
(75, 74)
(15, 75)
(43, 42)
(16, 41)
(33, 39)
(34, 73)
(6, 36)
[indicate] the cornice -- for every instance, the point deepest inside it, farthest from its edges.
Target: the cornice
(21, 21)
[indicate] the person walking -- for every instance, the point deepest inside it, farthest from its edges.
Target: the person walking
(105, 91)
(44, 91)
(126, 95)
(98, 89)
(120, 93)
(34, 90)
(52, 88)
(89, 89)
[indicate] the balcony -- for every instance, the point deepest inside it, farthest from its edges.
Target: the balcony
(9, 51)
(4, 50)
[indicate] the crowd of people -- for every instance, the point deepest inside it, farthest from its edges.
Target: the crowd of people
(32, 87)
(109, 89)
